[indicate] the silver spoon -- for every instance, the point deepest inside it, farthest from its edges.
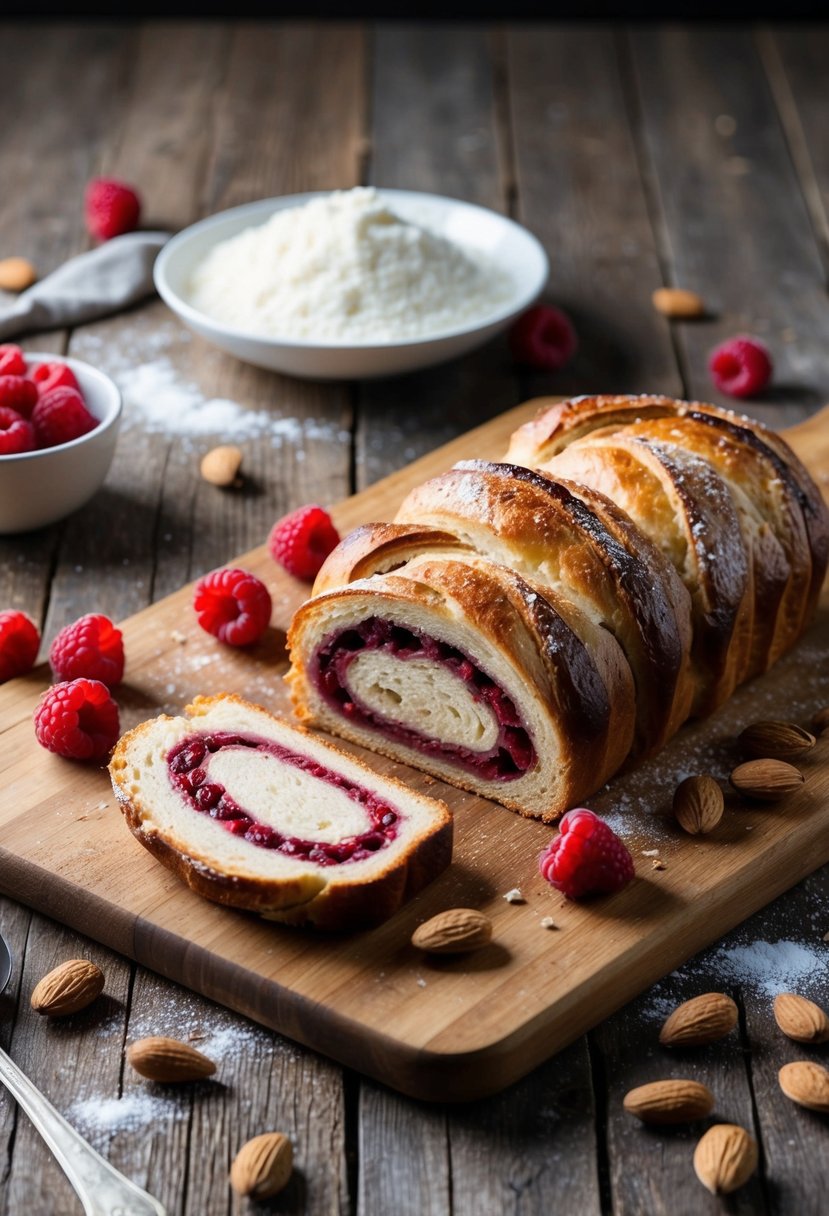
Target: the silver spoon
(100, 1188)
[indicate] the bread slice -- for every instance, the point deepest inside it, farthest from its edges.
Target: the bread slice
(254, 813)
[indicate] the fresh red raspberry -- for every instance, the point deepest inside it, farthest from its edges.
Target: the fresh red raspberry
(543, 337)
(233, 605)
(16, 433)
(302, 540)
(53, 375)
(77, 719)
(19, 642)
(12, 361)
(18, 394)
(61, 416)
(91, 647)
(111, 208)
(740, 367)
(586, 858)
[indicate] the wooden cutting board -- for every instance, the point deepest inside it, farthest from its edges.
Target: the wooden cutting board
(444, 1029)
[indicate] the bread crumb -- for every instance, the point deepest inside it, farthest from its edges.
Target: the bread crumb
(547, 922)
(650, 852)
(178, 636)
(514, 896)
(658, 864)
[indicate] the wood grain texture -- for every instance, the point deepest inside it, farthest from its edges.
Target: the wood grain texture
(579, 189)
(734, 216)
(468, 1035)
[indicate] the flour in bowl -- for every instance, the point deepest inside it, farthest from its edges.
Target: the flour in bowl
(345, 269)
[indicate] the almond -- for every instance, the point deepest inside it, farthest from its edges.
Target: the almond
(68, 989)
(263, 1166)
(16, 274)
(698, 805)
(454, 932)
(669, 1101)
(800, 1019)
(766, 780)
(678, 302)
(806, 1083)
(220, 466)
(168, 1060)
(725, 1158)
(703, 1019)
(775, 740)
(820, 722)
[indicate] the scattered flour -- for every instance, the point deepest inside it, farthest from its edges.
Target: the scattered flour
(772, 967)
(345, 268)
(101, 1118)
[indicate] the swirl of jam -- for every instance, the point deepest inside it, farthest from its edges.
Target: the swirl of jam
(188, 768)
(513, 753)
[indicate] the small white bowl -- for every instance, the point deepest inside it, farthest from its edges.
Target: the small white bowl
(41, 487)
(513, 248)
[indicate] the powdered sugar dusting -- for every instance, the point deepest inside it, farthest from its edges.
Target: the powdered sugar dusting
(99, 1119)
(773, 967)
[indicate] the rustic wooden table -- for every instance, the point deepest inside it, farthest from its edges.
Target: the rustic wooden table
(640, 158)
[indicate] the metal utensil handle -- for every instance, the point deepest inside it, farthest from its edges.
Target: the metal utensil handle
(101, 1189)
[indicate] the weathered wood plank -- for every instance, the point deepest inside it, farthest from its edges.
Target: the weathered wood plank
(795, 60)
(434, 128)
(71, 1060)
(734, 215)
(404, 1156)
(580, 191)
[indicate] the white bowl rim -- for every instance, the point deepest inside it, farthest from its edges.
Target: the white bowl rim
(110, 418)
(185, 309)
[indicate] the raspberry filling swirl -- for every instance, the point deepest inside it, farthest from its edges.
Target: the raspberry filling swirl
(505, 749)
(188, 765)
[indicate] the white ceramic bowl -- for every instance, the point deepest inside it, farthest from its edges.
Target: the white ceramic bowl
(39, 488)
(510, 245)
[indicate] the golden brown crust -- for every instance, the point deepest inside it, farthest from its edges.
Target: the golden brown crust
(303, 899)
(682, 504)
(379, 549)
(581, 546)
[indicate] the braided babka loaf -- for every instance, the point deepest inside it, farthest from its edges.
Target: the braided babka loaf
(525, 628)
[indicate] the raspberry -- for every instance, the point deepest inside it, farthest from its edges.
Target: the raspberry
(740, 367)
(92, 648)
(16, 433)
(12, 362)
(19, 642)
(53, 375)
(302, 540)
(233, 605)
(18, 394)
(543, 337)
(61, 416)
(110, 208)
(587, 858)
(77, 719)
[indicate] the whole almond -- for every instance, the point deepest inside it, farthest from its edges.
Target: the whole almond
(806, 1083)
(669, 1101)
(678, 302)
(167, 1060)
(703, 1019)
(775, 741)
(263, 1166)
(820, 722)
(16, 274)
(725, 1158)
(454, 932)
(220, 466)
(68, 989)
(766, 780)
(698, 804)
(801, 1019)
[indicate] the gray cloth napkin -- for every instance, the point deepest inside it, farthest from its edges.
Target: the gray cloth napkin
(91, 285)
